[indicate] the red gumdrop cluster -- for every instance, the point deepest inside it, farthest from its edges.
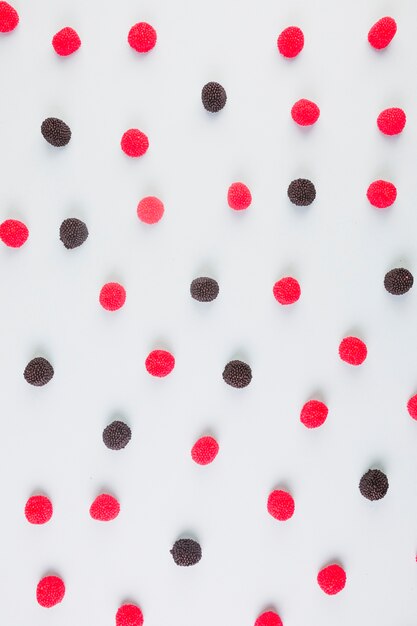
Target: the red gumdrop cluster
(391, 121)
(205, 450)
(134, 143)
(112, 296)
(382, 33)
(150, 210)
(305, 112)
(290, 42)
(105, 508)
(159, 363)
(142, 37)
(381, 194)
(287, 290)
(239, 197)
(13, 233)
(332, 579)
(353, 350)
(38, 510)
(314, 413)
(412, 407)
(50, 591)
(9, 17)
(269, 618)
(129, 615)
(66, 41)
(281, 505)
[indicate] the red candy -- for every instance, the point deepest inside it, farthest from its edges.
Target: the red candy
(66, 41)
(287, 290)
(112, 296)
(382, 33)
(353, 350)
(314, 414)
(150, 210)
(105, 508)
(13, 233)
(38, 510)
(332, 579)
(239, 196)
(142, 37)
(412, 407)
(50, 591)
(134, 143)
(290, 42)
(205, 450)
(129, 615)
(391, 121)
(9, 17)
(269, 618)
(305, 113)
(281, 505)
(159, 363)
(381, 194)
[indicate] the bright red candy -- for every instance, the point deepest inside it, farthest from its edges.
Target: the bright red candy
(150, 210)
(38, 510)
(332, 579)
(269, 618)
(287, 290)
(112, 296)
(281, 505)
(134, 143)
(290, 42)
(382, 32)
(353, 350)
(205, 450)
(239, 196)
(142, 37)
(314, 413)
(9, 17)
(105, 508)
(412, 407)
(381, 194)
(391, 121)
(305, 112)
(159, 363)
(13, 233)
(66, 41)
(50, 591)
(129, 615)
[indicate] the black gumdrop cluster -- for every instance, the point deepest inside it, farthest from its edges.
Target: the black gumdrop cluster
(186, 552)
(213, 97)
(56, 132)
(204, 289)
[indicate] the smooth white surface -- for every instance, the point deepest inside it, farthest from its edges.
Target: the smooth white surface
(339, 249)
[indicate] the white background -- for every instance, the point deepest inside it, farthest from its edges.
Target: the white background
(339, 249)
